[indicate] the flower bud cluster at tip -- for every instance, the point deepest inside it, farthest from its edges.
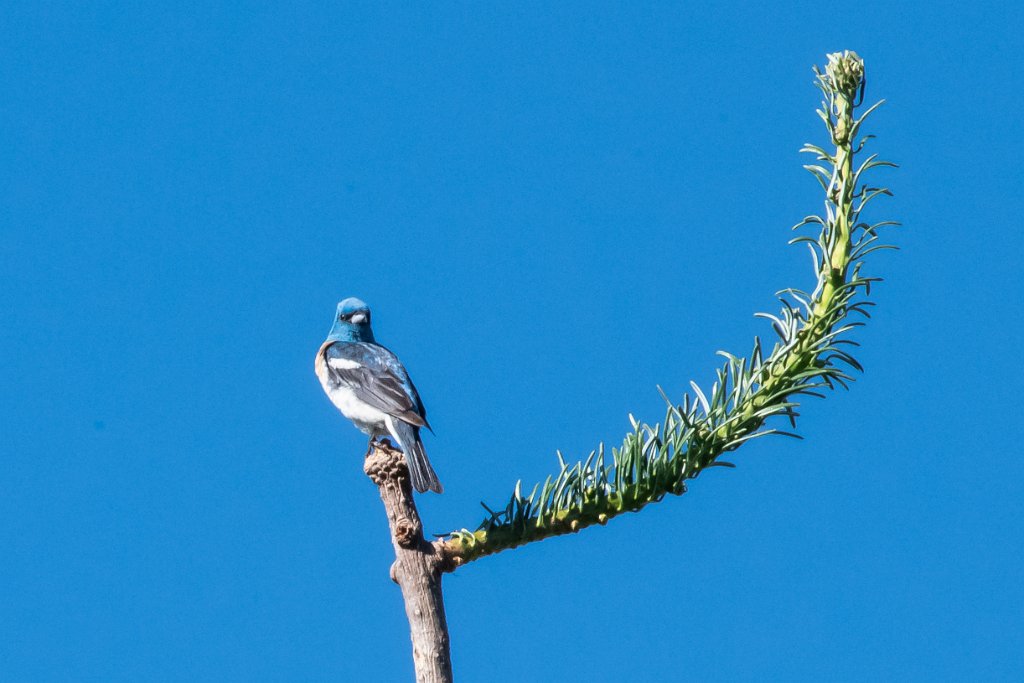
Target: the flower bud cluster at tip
(845, 71)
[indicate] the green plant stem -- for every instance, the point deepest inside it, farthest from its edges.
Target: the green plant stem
(800, 361)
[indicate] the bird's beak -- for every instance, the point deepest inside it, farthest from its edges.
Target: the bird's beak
(358, 319)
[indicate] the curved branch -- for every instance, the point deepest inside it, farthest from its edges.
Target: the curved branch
(810, 354)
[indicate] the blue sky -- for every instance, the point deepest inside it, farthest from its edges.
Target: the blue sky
(552, 210)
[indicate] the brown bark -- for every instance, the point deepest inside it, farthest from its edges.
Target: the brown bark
(417, 568)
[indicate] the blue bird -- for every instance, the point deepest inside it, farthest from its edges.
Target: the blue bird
(370, 387)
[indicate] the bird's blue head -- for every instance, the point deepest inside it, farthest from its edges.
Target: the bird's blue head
(351, 322)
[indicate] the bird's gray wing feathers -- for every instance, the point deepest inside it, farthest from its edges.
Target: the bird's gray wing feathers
(372, 377)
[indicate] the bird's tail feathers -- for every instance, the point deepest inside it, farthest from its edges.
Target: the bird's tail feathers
(422, 474)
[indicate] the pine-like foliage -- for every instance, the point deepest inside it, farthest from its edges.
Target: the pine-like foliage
(811, 353)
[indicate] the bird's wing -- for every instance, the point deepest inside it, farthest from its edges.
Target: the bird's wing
(377, 378)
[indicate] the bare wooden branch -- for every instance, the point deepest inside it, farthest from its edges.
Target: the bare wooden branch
(417, 568)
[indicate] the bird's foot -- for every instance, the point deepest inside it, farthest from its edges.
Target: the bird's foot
(384, 441)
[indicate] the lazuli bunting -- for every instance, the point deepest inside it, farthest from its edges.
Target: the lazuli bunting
(370, 387)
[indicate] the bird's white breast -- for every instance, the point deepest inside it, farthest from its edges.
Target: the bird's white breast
(363, 415)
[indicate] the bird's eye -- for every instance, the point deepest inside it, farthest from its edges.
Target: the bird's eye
(344, 316)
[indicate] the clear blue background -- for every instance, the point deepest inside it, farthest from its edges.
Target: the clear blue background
(552, 209)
